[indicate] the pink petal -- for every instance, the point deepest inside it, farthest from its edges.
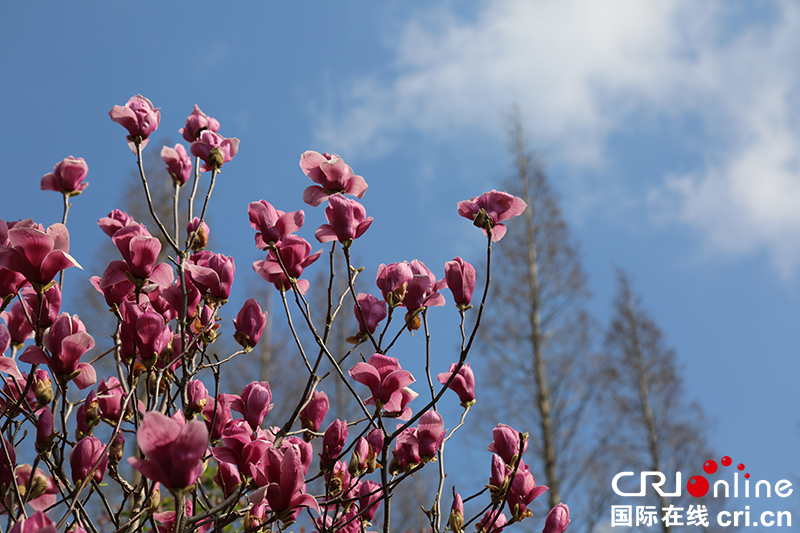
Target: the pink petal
(87, 377)
(314, 195)
(156, 430)
(356, 186)
(325, 233)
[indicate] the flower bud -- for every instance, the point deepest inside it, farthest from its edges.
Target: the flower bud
(198, 396)
(44, 432)
(116, 450)
(43, 389)
(456, 521)
(557, 519)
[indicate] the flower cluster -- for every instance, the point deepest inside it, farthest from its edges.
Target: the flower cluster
(228, 452)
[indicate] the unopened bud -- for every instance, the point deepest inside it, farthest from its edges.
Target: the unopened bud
(43, 391)
(154, 501)
(116, 450)
(215, 158)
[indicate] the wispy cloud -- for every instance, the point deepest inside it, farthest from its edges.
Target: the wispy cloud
(581, 70)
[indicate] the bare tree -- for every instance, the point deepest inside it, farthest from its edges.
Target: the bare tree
(540, 335)
(650, 425)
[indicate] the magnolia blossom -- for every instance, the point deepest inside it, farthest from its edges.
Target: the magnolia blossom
(460, 277)
(295, 254)
(463, 383)
(370, 315)
(214, 149)
(67, 177)
(523, 491)
(506, 443)
(286, 495)
(254, 403)
(249, 324)
(196, 123)
(430, 434)
(36, 254)
(492, 522)
(557, 519)
(115, 221)
(66, 341)
(393, 280)
(456, 520)
(332, 174)
(179, 166)
(174, 450)
(488, 210)
(139, 249)
(139, 117)
(36, 523)
(212, 274)
(272, 224)
(201, 232)
(347, 220)
(385, 379)
(333, 441)
(314, 412)
(422, 290)
(369, 496)
(88, 452)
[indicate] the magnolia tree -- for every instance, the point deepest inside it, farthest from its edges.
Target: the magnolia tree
(64, 457)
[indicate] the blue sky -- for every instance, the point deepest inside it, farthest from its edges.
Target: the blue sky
(670, 130)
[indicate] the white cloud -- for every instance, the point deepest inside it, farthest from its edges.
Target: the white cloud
(581, 70)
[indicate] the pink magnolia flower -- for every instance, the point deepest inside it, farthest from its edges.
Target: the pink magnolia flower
(114, 285)
(36, 523)
(165, 522)
(492, 522)
(347, 220)
(333, 442)
(36, 254)
(42, 489)
(144, 331)
(83, 457)
(214, 149)
(371, 314)
(19, 328)
(51, 305)
(179, 166)
(174, 451)
(67, 177)
(212, 274)
(201, 232)
(249, 324)
(44, 431)
(109, 397)
(393, 280)
(217, 415)
(116, 220)
(422, 290)
(463, 384)
(295, 253)
(430, 434)
(197, 396)
(456, 520)
(139, 249)
(460, 277)
(385, 379)
(488, 210)
(254, 403)
(332, 175)
(313, 414)
(5, 340)
(271, 224)
(405, 455)
(139, 117)
(66, 341)
(228, 478)
(522, 492)
(196, 123)
(506, 443)
(369, 494)
(286, 495)
(557, 519)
